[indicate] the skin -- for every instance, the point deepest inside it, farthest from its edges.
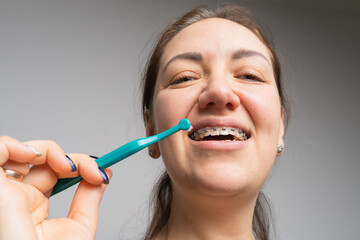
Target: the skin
(215, 184)
(26, 203)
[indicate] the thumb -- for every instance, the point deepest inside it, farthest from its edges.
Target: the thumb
(85, 205)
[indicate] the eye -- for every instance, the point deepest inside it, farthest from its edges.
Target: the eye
(182, 79)
(250, 77)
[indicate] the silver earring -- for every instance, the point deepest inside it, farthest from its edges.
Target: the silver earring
(152, 152)
(280, 149)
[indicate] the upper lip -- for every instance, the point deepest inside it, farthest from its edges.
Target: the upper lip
(219, 122)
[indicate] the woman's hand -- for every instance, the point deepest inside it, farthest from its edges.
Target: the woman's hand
(24, 205)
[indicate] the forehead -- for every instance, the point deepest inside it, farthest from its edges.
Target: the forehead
(213, 37)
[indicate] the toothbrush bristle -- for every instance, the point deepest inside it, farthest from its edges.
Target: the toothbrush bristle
(190, 128)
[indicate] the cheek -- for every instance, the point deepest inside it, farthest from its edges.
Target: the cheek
(263, 106)
(264, 109)
(172, 105)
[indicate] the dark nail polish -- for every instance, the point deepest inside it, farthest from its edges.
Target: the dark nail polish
(94, 157)
(104, 175)
(72, 164)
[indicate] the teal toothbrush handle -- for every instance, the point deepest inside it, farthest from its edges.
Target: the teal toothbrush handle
(123, 152)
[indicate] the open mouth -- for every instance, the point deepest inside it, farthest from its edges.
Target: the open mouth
(219, 134)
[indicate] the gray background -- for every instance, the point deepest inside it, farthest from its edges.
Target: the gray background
(69, 72)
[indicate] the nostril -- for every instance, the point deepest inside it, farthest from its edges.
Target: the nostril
(230, 105)
(220, 106)
(210, 104)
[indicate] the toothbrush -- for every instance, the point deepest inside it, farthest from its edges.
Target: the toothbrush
(123, 152)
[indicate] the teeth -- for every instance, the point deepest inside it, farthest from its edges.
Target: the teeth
(238, 134)
(224, 131)
(207, 132)
(201, 134)
(215, 132)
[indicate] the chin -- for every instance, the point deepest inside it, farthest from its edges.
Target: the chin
(225, 180)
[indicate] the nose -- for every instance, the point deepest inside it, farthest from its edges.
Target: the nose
(219, 94)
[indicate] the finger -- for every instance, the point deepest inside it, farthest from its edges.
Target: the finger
(5, 189)
(66, 166)
(85, 206)
(22, 168)
(13, 211)
(87, 168)
(52, 154)
(15, 150)
(42, 177)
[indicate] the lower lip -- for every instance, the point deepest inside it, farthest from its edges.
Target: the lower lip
(221, 145)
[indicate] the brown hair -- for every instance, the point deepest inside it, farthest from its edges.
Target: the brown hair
(162, 193)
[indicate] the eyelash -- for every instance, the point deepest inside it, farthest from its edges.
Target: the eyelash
(250, 77)
(182, 79)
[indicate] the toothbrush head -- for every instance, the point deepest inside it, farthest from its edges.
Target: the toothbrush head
(185, 124)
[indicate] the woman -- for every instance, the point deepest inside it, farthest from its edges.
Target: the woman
(214, 68)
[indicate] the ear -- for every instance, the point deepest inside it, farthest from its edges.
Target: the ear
(281, 132)
(154, 151)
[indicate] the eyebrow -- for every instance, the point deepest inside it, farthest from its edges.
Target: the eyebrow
(188, 56)
(243, 53)
(194, 56)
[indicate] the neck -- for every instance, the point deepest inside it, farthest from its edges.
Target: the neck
(198, 217)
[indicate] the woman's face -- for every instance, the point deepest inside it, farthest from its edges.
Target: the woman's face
(217, 74)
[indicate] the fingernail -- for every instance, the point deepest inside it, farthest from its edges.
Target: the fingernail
(104, 175)
(72, 164)
(38, 153)
(94, 157)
